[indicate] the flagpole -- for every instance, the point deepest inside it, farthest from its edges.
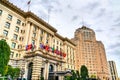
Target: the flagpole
(28, 8)
(49, 14)
(29, 2)
(82, 21)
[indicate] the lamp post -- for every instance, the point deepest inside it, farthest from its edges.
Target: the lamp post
(55, 74)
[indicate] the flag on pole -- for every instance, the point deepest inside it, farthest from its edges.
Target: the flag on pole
(29, 2)
(28, 47)
(41, 46)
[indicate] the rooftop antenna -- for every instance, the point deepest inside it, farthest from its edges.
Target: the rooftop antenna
(82, 21)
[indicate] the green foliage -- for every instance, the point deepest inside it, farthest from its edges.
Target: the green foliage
(84, 72)
(16, 72)
(13, 72)
(67, 78)
(73, 77)
(3, 79)
(93, 76)
(42, 78)
(78, 75)
(4, 56)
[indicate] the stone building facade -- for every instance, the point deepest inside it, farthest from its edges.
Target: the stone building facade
(36, 47)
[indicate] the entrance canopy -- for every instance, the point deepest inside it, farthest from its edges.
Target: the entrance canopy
(60, 73)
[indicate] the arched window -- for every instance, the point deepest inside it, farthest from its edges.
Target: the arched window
(51, 68)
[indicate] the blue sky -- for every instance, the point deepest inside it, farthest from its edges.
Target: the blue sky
(103, 16)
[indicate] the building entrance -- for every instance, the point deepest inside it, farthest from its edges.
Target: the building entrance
(30, 67)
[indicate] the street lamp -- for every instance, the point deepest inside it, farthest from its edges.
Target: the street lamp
(55, 74)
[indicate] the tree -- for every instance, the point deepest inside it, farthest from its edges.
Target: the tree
(84, 72)
(16, 72)
(42, 78)
(67, 77)
(78, 75)
(4, 56)
(13, 72)
(74, 76)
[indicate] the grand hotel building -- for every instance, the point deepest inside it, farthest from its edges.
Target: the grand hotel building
(39, 50)
(91, 53)
(36, 47)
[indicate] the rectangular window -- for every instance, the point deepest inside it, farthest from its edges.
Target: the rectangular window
(9, 17)
(41, 38)
(22, 31)
(0, 12)
(54, 40)
(13, 45)
(41, 32)
(15, 36)
(57, 42)
(18, 21)
(35, 28)
(47, 35)
(47, 40)
(7, 25)
(60, 44)
(34, 35)
(16, 54)
(57, 47)
(16, 29)
(19, 55)
(23, 24)
(53, 46)
(12, 54)
(5, 33)
(33, 41)
(19, 46)
(21, 38)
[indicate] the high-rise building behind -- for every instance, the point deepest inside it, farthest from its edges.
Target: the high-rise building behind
(113, 70)
(91, 53)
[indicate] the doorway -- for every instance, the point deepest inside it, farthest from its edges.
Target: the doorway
(30, 68)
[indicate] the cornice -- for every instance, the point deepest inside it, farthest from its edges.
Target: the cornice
(12, 7)
(66, 39)
(84, 28)
(26, 14)
(32, 54)
(39, 20)
(59, 36)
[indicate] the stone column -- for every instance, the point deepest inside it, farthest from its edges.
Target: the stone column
(26, 69)
(38, 40)
(37, 63)
(46, 74)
